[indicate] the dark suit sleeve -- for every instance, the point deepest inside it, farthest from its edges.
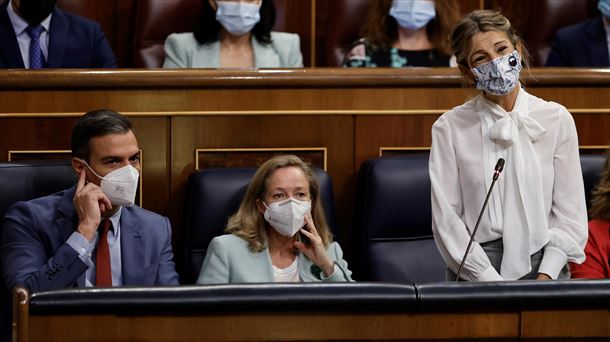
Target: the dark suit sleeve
(34, 256)
(102, 54)
(557, 56)
(167, 269)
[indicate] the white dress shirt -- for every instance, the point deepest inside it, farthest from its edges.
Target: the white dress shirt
(19, 25)
(460, 177)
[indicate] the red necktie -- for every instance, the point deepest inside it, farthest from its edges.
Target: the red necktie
(103, 274)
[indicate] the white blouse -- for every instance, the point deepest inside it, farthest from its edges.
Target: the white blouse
(289, 274)
(542, 175)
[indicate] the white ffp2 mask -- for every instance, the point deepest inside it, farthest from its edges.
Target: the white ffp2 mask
(287, 217)
(120, 185)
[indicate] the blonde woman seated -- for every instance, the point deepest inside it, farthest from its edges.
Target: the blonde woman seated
(279, 233)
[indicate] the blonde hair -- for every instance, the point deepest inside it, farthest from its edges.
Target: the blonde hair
(600, 201)
(249, 224)
(483, 21)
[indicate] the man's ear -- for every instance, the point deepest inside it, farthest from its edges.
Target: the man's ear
(78, 165)
(467, 73)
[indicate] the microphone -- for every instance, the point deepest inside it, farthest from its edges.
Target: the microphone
(497, 170)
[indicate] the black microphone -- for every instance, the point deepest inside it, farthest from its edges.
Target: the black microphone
(497, 170)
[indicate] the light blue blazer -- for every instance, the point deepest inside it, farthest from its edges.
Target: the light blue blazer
(229, 260)
(182, 50)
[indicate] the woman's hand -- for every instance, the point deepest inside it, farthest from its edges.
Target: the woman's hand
(315, 250)
(543, 276)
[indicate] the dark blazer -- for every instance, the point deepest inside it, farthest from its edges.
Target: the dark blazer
(74, 42)
(34, 252)
(580, 45)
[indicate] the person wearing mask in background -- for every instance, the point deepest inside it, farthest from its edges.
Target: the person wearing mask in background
(403, 33)
(536, 220)
(91, 234)
(35, 34)
(279, 233)
(234, 34)
(586, 44)
(597, 263)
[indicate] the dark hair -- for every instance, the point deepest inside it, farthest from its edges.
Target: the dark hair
(381, 28)
(600, 201)
(207, 28)
(95, 124)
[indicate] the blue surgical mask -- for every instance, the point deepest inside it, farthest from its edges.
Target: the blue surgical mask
(413, 14)
(499, 76)
(604, 7)
(238, 17)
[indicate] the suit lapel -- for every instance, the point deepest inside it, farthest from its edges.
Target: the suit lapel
(597, 45)
(9, 47)
(58, 37)
(132, 250)
(207, 56)
(264, 55)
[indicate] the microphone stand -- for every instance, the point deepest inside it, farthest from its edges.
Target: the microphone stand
(497, 170)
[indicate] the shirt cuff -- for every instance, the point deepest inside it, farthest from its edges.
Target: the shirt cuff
(81, 245)
(323, 277)
(553, 261)
(490, 274)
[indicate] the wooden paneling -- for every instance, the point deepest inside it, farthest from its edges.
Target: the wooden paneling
(256, 326)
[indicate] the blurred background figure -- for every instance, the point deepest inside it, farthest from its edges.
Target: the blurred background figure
(402, 33)
(35, 34)
(597, 263)
(586, 44)
(234, 34)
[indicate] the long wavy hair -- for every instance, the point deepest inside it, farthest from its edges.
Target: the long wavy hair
(600, 201)
(381, 28)
(248, 223)
(207, 28)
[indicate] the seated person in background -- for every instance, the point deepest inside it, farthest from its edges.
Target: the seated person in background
(586, 44)
(234, 34)
(279, 233)
(405, 33)
(597, 263)
(35, 34)
(90, 234)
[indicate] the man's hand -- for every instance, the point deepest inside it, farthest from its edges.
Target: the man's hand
(90, 203)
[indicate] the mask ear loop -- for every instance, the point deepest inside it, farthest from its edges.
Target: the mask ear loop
(90, 168)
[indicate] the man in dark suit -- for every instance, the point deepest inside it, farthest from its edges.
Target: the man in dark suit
(90, 234)
(36, 34)
(51, 242)
(581, 45)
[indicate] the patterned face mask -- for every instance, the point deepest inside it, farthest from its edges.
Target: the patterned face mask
(499, 76)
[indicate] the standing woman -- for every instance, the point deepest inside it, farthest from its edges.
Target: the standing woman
(536, 220)
(405, 33)
(234, 34)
